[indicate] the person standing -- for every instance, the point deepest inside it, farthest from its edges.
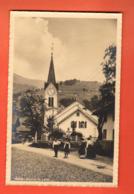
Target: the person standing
(82, 148)
(56, 144)
(68, 133)
(67, 147)
(90, 148)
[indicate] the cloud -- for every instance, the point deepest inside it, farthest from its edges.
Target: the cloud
(78, 47)
(32, 47)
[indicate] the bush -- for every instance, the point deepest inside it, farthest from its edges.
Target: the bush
(104, 147)
(57, 133)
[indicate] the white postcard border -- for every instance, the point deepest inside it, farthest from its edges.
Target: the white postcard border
(15, 14)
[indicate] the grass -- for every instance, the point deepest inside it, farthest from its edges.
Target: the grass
(35, 167)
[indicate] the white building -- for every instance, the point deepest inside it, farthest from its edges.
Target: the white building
(76, 114)
(74, 117)
(106, 122)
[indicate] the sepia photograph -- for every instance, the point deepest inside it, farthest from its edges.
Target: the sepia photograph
(63, 98)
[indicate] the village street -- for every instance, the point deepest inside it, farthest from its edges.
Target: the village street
(39, 163)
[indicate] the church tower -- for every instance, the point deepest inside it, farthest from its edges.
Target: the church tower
(51, 92)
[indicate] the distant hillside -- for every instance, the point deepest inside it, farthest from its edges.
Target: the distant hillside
(67, 89)
(23, 84)
(80, 90)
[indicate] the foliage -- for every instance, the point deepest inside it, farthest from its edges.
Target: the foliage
(105, 148)
(107, 90)
(107, 93)
(57, 133)
(32, 107)
(109, 63)
(50, 123)
(93, 103)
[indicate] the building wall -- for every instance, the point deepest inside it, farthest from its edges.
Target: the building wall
(91, 128)
(109, 127)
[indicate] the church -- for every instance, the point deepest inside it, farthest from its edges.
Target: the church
(75, 117)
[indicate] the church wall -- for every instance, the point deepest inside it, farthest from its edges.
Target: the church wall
(50, 111)
(91, 128)
(54, 96)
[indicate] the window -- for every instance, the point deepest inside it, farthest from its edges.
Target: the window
(73, 124)
(104, 135)
(50, 101)
(78, 113)
(82, 124)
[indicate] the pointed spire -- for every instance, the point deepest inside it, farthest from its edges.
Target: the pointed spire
(51, 74)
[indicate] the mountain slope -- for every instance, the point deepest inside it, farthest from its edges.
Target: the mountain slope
(22, 84)
(78, 89)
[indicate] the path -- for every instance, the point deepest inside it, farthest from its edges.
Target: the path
(94, 165)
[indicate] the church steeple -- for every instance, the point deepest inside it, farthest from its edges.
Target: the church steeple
(51, 74)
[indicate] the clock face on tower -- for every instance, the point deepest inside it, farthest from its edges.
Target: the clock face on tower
(51, 91)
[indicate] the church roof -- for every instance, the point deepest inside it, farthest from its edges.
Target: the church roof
(51, 74)
(63, 115)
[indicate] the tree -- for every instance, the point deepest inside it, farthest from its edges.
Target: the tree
(50, 123)
(109, 63)
(107, 90)
(32, 107)
(93, 103)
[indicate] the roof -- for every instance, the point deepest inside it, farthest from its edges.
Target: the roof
(51, 74)
(63, 115)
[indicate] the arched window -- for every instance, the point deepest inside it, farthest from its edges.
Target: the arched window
(50, 101)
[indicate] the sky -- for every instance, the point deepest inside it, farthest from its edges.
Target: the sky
(79, 45)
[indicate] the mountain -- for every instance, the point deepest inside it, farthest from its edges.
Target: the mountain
(22, 84)
(67, 89)
(79, 89)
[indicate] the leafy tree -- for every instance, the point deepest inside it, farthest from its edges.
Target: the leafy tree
(107, 90)
(93, 103)
(57, 133)
(50, 123)
(32, 107)
(109, 63)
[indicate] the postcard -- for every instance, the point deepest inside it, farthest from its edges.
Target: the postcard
(63, 98)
